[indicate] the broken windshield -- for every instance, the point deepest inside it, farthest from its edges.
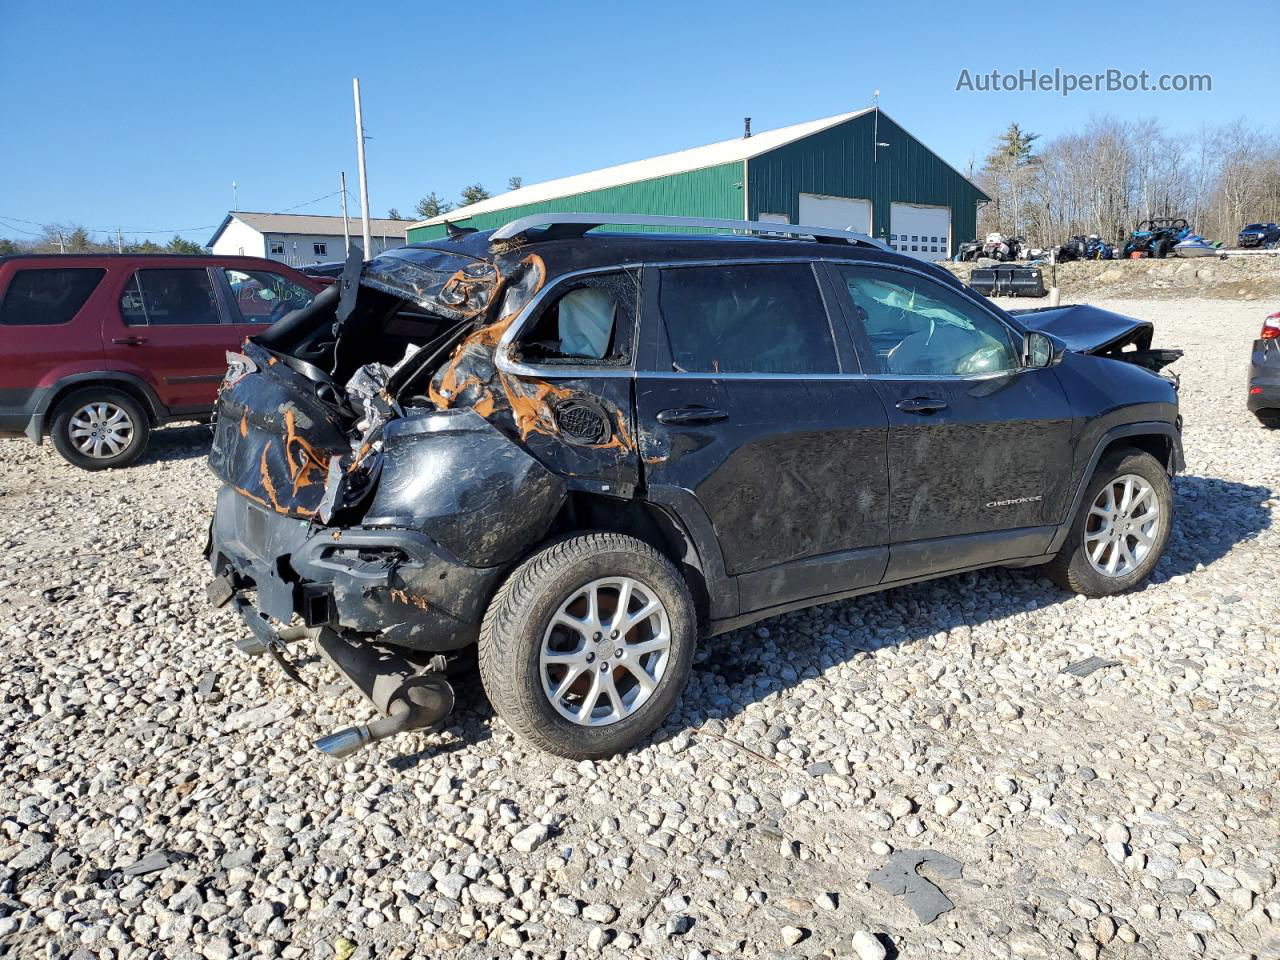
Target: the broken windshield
(442, 282)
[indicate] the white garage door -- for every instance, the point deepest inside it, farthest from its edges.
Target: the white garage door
(919, 231)
(837, 213)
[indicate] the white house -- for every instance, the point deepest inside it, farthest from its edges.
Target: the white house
(299, 239)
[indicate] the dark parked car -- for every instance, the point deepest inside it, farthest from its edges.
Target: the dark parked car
(97, 349)
(583, 451)
(1264, 373)
(1259, 235)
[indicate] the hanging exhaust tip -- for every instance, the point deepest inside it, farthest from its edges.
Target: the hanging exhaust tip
(344, 742)
(422, 701)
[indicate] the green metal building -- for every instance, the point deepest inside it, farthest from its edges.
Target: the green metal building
(858, 171)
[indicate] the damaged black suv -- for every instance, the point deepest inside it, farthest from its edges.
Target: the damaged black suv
(583, 450)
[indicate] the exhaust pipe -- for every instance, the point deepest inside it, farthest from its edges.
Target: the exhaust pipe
(408, 698)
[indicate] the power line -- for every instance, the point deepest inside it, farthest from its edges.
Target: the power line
(142, 230)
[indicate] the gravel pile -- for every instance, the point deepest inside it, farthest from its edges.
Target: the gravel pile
(1250, 276)
(160, 796)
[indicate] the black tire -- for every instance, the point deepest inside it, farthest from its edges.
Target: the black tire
(66, 412)
(1161, 249)
(511, 640)
(1071, 568)
(1268, 417)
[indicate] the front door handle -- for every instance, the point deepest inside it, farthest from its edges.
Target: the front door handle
(922, 405)
(129, 341)
(691, 416)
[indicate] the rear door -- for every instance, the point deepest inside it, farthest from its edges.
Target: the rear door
(978, 445)
(168, 329)
(753, 414)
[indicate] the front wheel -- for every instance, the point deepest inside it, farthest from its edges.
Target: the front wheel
(99, 427)
(588, 644)
(1118, 536)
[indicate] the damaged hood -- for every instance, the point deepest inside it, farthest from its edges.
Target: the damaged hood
(448, 283)
(1086, 329)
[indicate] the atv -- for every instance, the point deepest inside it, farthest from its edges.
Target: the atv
(1156, 237)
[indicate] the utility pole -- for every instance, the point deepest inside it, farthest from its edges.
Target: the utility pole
(364, 182)
(119, 241)
(346, 226)
(875, 136)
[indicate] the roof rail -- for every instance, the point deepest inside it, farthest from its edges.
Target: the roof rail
(557, 226)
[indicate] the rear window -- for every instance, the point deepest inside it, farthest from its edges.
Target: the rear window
(45, 298)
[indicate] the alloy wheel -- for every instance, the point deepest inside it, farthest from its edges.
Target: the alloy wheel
(1123, 526)
(605, 651)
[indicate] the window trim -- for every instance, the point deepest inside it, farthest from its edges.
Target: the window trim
(505, 358)
(273, 252)
(506, 362)
(320, 248)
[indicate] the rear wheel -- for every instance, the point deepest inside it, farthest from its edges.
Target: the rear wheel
(588, 644)
(1268, 416)
(1120, 533)
(99, 427)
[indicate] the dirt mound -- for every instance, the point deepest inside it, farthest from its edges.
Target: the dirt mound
(1254, 277)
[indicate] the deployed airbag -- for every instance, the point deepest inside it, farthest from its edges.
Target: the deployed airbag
(586, 322)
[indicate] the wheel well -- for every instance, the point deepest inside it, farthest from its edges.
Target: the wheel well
(124, 386)
(644, 521)
(1156, 444)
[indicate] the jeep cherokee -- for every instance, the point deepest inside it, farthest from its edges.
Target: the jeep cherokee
(582, 451)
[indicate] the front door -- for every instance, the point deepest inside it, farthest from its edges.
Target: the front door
(261, 297)
(169, 331)
(752, 411)
(976, 440)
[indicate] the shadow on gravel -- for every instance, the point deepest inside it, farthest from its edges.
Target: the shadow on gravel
(178, 443)
(747, 665)
(1212, 517)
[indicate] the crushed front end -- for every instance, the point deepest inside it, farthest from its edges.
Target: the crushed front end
(356, 510)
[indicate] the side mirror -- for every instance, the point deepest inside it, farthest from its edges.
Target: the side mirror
(1041, 349)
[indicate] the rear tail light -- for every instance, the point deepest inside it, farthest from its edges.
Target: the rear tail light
(1271, 327)
(1255, 391)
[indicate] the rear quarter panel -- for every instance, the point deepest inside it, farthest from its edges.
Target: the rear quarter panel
(39, 356)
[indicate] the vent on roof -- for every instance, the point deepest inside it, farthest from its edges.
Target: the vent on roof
(746, 128)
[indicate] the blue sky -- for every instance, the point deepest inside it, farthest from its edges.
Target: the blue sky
(141, 115)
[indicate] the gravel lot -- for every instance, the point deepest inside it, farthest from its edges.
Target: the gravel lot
(1131, 813)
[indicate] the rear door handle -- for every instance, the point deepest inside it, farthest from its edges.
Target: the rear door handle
(129, 341)
(922, 405)
(691, 416)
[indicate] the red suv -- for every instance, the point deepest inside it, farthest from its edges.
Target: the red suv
(96, 349)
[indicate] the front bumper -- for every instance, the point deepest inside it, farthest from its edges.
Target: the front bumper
(393, 585)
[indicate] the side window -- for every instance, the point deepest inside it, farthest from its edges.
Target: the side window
(320, 249)
(747, 318)
(181, 297)
(44, 298)
(590, 320)
(277, 248)
(263, 296)
(917, 327)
